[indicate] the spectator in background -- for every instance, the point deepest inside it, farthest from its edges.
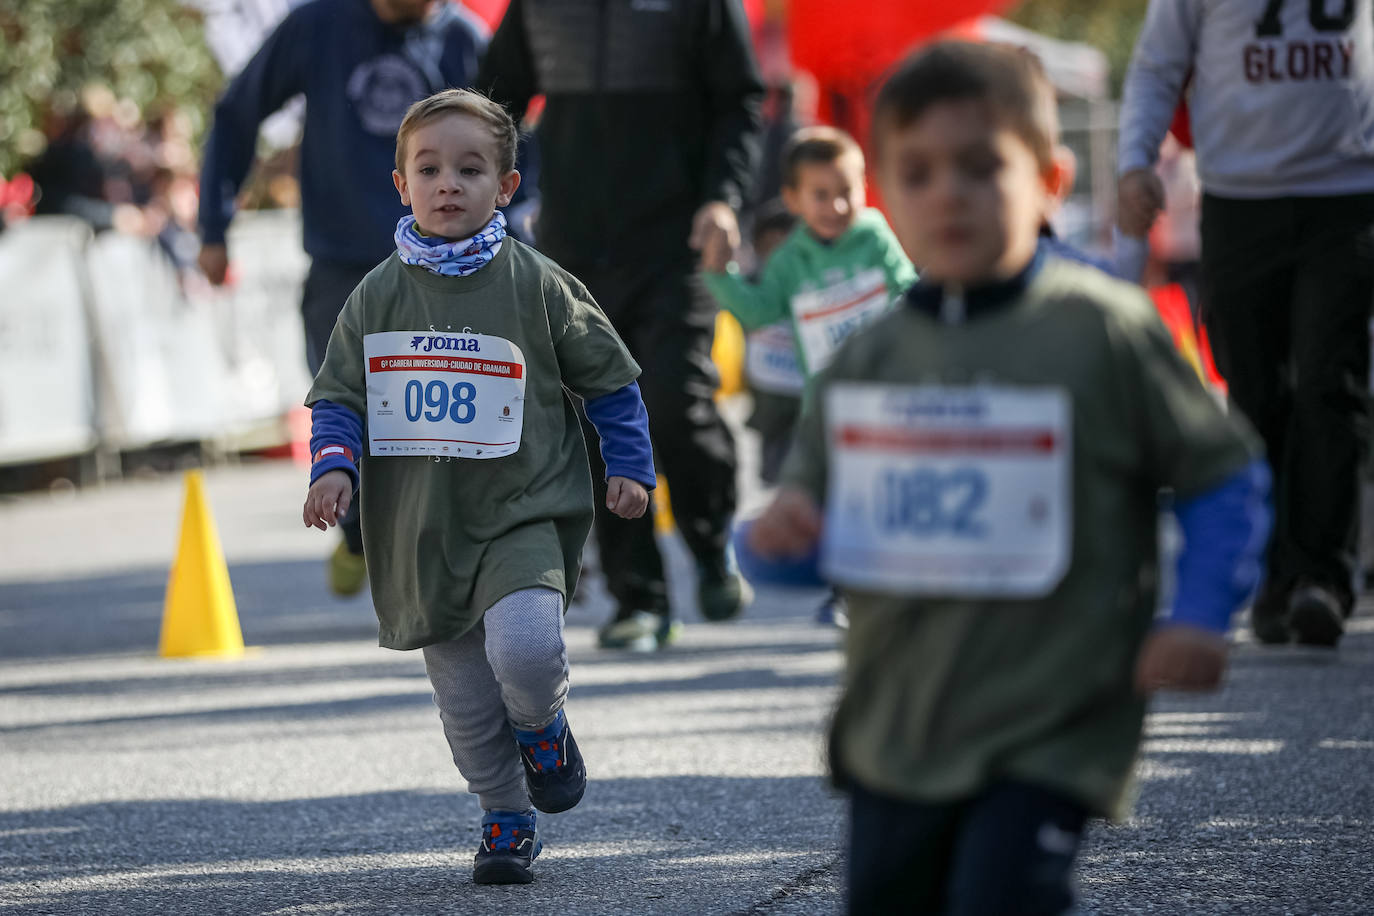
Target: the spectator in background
(649, 138)
(360, 65)
(77, 172)
(1282, 105)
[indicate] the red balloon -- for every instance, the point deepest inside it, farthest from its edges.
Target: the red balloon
(842, 42)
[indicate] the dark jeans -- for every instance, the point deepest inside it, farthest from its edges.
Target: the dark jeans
(327, 287)
(1009, 850)
(668, 321)
(1288, 285)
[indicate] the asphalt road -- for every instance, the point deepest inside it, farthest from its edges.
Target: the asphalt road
(311, 776)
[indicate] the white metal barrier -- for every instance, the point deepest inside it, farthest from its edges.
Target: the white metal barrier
(103, 344)
(47, 397)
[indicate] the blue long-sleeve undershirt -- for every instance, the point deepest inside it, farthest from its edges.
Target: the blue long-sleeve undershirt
(623, 425)
(336, 439)
(1225, 530)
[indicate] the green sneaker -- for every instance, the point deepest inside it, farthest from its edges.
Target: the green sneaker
(347, 571)
(642, 631)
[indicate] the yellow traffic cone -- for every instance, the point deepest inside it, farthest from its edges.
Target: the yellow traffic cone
(199, 617)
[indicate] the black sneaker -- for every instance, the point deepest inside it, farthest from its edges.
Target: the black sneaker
(1315, 618)
(554, 771)
(509, 845)
(721, 592)
(1267, 615)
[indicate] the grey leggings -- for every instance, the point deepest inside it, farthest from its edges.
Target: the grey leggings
(511, 669)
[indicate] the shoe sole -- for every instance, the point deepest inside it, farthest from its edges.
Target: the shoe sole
(502, 871)
(1314, 625)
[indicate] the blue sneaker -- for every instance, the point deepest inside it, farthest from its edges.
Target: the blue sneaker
(834, 612)
(554, 771)
(509, 845)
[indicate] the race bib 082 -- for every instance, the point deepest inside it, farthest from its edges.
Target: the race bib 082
(952, 491)
(460, 395)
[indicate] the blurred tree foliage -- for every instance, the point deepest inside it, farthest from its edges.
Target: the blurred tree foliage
(1110, 25)
(152, 52)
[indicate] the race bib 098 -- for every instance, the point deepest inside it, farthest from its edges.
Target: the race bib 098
(460, 395)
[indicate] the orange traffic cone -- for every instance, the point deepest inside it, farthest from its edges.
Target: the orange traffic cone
(199, 617)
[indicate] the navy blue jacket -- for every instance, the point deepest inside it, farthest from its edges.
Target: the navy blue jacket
(359, 75)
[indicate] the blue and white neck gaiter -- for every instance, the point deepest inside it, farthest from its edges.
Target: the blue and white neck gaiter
(449, 259)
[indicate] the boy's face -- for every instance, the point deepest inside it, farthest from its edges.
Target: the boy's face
(452, 180)
(828, 196)
(966, 195)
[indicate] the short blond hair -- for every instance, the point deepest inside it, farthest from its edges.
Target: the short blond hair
(470, 104)
(819, 145)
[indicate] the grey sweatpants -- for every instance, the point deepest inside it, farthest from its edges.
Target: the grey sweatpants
(510, 670)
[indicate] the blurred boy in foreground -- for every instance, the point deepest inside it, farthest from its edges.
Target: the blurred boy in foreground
(979, 469)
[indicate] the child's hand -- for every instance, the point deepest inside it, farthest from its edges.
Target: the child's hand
(328, 500)
(1181, 657)
(787, 528)
(625, 497)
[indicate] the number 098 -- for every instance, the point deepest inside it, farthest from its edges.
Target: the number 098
(435, 400)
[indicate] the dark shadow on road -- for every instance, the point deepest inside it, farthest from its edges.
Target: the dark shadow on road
(278, 604)
(754, 677)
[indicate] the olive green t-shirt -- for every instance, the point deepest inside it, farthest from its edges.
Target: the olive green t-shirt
(446, 537)
(943, 697)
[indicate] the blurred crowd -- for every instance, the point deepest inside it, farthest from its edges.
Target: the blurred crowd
(117, 167)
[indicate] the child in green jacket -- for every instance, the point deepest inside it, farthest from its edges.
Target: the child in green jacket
(838, 269)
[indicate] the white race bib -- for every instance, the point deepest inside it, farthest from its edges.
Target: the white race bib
(963, 492)
(460, 395)
(771, 360)
(825, 317)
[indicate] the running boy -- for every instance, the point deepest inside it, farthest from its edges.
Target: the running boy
(451, 357)
(988, 456)
(838, 269)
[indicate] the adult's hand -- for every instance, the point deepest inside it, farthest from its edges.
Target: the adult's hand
(715, 234)
(214, 262)
(1139, 199)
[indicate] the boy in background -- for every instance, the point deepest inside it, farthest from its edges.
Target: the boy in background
(838, 269)
(980, 468)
